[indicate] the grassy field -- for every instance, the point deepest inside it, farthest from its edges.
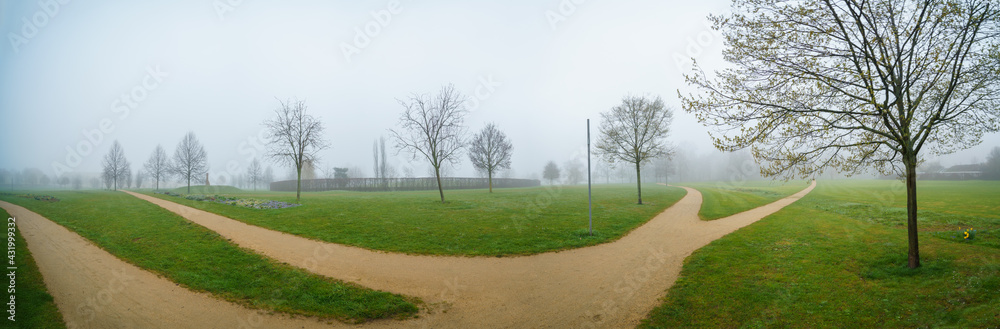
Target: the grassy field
(838, 256)
(473, 222)
(202, 189)
(724, 199)
(35, 307)
(155, 239)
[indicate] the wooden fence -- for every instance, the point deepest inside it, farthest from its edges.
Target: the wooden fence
(400, 184)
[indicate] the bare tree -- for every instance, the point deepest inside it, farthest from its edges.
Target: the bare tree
(116, 167)
(268, 176)
(551, 172)
(433, 127)
(381, 168)
(635, 132)
(127, 175)
(490, 151)
(294, 137)
(190, 160)
(77, 182)
(62, 181)
(139, 177)
(254, 173)
(853, 84)
(158, 166)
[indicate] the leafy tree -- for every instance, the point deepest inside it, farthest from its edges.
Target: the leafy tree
(434, 128)
(295, 137)
(489, 151)
(574, 172)
(991, 170)
(853, 84)
(551, 172)
(635, 132)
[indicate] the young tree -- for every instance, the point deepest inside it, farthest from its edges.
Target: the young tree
(489, 151)
(382, 169)
(268, 177)
(852, 84)
(140, 176)
(158, 166)
(294, 137)
(433, 127)
(551, 172)
(115, 166)
(635, 132)
(77, 182)
(190, 160)
(254, 173)
(127, 175)
(574, 172)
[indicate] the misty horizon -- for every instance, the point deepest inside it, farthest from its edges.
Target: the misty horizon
(77, 76)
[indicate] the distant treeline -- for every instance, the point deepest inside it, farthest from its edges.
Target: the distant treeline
(400, 184)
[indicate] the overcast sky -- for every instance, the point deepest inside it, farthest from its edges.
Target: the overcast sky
(151, 72)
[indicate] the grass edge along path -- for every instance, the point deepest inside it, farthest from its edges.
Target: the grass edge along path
(721, 200)
(164, 243)
(811, 266)
(508, 222)
(35, 307)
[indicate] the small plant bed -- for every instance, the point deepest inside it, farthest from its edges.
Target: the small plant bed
(234, 201)
(46, 198)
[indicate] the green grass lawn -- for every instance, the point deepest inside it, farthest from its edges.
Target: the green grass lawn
(838, 256)
(157, 240)
(721, 199)
(35, 307)
(472, 222)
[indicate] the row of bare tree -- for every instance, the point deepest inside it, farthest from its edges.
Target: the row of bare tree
(190, 162)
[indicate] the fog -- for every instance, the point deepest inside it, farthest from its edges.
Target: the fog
(76, 76)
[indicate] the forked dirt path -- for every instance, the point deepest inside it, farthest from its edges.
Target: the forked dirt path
(610, 285)
(94, 289)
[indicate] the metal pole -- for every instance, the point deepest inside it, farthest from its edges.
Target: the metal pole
(590, 201)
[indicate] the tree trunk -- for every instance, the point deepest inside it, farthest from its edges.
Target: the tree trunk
(490, 174)
(298, 183)
(437, 172)
(638, 181)
(189, 184)
(911, 212)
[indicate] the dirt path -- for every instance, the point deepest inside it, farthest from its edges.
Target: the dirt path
(609, 285)
(94, 289)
